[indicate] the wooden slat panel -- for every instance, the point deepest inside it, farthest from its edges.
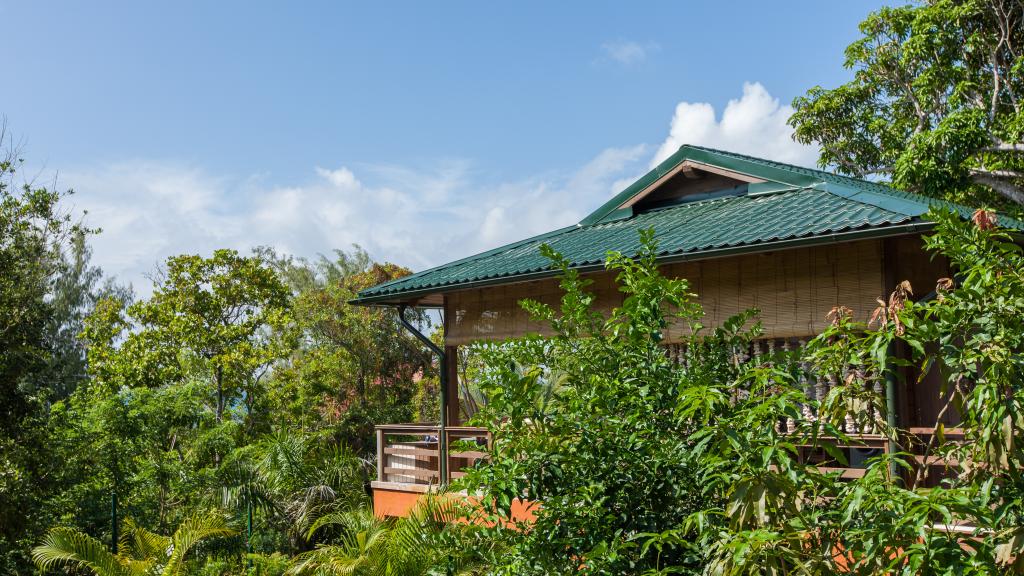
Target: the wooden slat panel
(409, 451)
(415, 472)
(846, 472)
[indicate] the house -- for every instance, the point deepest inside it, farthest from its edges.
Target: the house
(747, 233)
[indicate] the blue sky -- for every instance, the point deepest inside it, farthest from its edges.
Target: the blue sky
(424, 131)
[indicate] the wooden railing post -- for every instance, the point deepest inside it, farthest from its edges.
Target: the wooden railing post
(381, 458)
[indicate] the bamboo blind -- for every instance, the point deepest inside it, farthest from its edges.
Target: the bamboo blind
(793, 289)
(815, 386)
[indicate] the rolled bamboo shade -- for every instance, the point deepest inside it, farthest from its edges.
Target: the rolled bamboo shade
(794, 290)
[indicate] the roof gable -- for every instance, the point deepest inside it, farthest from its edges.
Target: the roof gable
(763, 177)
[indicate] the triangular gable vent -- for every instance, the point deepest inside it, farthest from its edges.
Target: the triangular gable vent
(689, 181)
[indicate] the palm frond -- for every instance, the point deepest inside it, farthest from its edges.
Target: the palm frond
(356, 549)
(138, 543)
(330, 560)
(192, 531)
(69, 546)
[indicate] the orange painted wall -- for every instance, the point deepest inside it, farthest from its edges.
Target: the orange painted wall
(393, 502)
(398, 503)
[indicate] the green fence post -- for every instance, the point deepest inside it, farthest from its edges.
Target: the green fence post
(113, 522)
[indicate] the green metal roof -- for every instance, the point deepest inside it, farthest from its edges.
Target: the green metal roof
(793, 206)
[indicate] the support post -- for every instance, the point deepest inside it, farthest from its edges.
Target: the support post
(381, 462)
(451, 356)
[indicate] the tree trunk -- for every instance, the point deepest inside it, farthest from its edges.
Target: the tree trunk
(999, 183)
(220, 394)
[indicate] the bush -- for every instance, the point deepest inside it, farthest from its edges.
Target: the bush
(642, 465)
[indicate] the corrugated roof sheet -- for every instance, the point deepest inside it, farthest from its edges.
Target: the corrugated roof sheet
(809, 205)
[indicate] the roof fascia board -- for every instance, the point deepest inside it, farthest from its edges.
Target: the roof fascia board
(753, 169)
(685, 164)
(619, 199)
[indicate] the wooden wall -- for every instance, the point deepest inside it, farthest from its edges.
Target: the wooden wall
(793, 289)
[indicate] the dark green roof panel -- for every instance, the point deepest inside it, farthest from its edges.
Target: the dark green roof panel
(794, 204)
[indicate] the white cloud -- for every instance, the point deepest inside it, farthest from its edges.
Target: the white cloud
(342, 177)
(419, 218)
(416, 217)
(628, 52)
(755, 124)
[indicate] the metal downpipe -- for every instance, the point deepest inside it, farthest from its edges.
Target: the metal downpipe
(442, 433)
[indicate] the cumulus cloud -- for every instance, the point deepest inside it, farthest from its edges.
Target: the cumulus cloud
(415, 217)
(754, 124)
(628, 52)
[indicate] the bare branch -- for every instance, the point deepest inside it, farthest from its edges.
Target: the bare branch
(1005, 174)
(1005, 147)
(996, 180)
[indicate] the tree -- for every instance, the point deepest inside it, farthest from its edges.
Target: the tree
(295, 480)
(140, 552)
(175, 383)
(356, 366)
(38, 241)
(74, 294)
(935, 103)
(33, 236)
(223, 318)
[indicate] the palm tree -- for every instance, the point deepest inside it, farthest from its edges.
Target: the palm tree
(140, 552)
(293, 478)
(411, 546)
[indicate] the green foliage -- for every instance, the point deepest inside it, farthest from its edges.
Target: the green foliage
(935, 103)
(46, 286)
(140, 552)
(426, 543)
(585, 422)
(649, 467)
(294, 480)
(355, 366)
(222, 318)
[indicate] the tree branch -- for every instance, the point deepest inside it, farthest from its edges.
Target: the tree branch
(1005, 147)
(996, 180)
(997, 173)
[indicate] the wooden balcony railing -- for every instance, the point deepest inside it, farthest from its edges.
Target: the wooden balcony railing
(411, 453)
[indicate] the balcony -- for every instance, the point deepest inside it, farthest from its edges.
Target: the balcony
(410, 461)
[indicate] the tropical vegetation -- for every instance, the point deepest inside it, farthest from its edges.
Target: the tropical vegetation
(220, 421)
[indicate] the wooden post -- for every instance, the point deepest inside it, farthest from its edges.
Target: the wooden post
(380, 455)
(451, 355)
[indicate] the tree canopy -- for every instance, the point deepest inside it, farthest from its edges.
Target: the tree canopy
(936, 103)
